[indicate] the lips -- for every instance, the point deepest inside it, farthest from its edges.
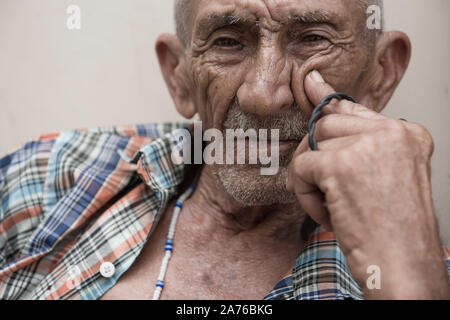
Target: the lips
(267, 147)
(284, 145)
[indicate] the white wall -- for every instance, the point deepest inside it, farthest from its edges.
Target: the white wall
(53, 79)
(423, 96)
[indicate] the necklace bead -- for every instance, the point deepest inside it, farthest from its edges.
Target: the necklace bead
(168, 246)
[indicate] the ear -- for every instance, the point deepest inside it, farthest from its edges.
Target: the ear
(389, 63)
(170, 52)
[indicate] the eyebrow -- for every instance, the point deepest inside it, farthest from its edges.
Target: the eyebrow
(314, 17)
(216, 21)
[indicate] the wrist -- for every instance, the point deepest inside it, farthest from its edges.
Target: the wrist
(401, 277)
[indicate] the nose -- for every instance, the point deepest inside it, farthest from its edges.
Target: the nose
(267, 86)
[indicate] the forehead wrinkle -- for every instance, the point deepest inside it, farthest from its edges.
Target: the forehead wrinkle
(273, 14)
(240, 16)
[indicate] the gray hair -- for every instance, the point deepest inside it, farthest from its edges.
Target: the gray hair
(183, 10)
(182, 14)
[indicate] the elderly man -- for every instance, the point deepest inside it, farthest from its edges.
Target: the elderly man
(97, 214)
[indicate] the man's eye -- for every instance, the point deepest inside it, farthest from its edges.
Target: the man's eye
(228, 43)
(313, 38)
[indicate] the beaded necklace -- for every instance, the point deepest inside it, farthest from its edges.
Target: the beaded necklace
(169, 241)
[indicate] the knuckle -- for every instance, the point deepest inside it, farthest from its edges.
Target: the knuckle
(346, 106)
(424, 137)
(335, 105)
(330, 183)
(396, 131)
(409, 136)
(353, 108)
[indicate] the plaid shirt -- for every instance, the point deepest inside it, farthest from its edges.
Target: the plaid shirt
(72, 201)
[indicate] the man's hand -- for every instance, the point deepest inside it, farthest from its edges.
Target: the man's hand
(370, 184)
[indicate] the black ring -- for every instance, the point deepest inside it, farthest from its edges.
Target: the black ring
(318, 112)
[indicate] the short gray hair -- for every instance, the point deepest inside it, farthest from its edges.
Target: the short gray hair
(183, 12)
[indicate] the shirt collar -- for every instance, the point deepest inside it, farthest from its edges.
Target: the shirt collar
(159, 163)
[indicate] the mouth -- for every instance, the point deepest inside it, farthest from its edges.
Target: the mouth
(268, 147)
(286, 145)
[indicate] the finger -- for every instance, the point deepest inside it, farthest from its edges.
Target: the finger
(314, 205)
(309, 196)
(317, 89)
(305, 172)
(353, 109)
(340, 125)
(337, 144)
(331, 143)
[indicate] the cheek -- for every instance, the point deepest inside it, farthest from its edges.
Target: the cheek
(341, 67)
(344, 69)
(216, 86)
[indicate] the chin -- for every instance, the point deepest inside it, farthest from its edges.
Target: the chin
(248, 187)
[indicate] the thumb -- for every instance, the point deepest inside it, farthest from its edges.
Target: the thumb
(316, 88)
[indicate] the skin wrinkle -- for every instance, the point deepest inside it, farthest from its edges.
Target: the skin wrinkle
(335, 68)
(341, 43)
(266, 62)
(184, 8)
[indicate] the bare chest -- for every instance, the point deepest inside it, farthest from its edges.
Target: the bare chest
(195, 274)
(205, 270)
(191, 276)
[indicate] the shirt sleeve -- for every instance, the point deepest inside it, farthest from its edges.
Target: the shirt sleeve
(22, 187)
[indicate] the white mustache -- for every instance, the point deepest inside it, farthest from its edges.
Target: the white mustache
(292, 123)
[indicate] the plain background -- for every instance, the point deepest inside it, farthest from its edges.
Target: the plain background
(53, 79)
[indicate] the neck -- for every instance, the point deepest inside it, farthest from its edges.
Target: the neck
(211, 212)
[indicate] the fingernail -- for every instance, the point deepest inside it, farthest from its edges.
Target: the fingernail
(316, 76)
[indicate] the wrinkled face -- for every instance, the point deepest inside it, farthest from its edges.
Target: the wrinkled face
(248, 60)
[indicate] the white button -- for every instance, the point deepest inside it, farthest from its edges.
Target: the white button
(107, 269)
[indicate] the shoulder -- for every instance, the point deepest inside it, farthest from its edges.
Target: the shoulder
(56, 159)
(79, 142)
(28, 161)
(99, 146)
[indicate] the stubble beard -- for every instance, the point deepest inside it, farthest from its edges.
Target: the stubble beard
(244, 183)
